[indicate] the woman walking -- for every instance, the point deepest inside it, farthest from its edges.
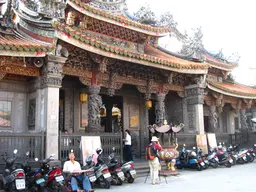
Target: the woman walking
(127, 146)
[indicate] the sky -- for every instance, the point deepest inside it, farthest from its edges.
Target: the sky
(226, 24)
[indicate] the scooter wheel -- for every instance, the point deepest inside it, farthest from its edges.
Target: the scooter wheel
(214, 165)
(179, 166)
(251, 158)
(199, 168)
(228, 165)
(240, 161)
(106, 184)
(130, 180)
(234, 160)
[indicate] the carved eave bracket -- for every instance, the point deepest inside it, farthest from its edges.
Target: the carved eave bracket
(248, 103)
(219, 102)
(147, 90)
(102, 62)
(169, 75)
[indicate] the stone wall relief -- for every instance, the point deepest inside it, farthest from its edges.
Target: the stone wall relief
(32, 114)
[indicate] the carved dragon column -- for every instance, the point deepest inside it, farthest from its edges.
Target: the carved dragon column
(160, 108)
(194, 95)
(50, 83)
(213, 119)
(94, 104)
(243, 120)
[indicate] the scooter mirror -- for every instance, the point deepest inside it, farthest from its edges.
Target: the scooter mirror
(114, 148)
(72, 151)
(27, 154)
(254, 145)
(194, 147)
(223, 143)
(15, 151)
(184, 145)
(36, 159)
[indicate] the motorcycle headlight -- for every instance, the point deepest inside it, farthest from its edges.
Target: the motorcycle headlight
(193, 153)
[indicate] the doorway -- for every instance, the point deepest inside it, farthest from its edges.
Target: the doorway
(112, 113)
(206, 124)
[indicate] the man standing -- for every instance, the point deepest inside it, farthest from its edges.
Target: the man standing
(72, 166)
(127, 146)
(154, 164)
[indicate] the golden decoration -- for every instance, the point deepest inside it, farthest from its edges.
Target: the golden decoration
(83, 97)
(148, 104)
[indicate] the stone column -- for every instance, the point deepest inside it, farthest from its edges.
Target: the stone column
(160, 109)
(243, 120)
(94, 104)
(195, 100)
(213, 119)
(50, 83)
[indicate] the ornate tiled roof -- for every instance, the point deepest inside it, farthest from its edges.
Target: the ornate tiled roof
(15, 45)
(235, 90)
(152, 56)
(218, 64)
(117, 19)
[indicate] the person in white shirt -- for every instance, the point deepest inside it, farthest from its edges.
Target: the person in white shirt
(127, 146)
(72, 166)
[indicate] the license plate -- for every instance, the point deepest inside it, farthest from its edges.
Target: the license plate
(59, 178)
(106, 175)
(248, 154)
(133, 173)
(40, 181)
(253, 154)
(20, 184)
(244, 157)
(92, 179)
(121, 175)
(202, 163)
(230, 160)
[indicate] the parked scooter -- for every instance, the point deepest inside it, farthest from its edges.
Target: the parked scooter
(202, 157)
(115, 170)
(212, 158)
(53, 176)
(189, 159)
(34, 179)
(129, 171)
(223, 157)
(103, 176)
(13, 177)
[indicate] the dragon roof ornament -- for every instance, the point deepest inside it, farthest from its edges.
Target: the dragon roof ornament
(49, 9)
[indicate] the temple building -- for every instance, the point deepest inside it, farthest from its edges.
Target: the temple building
(86, 66)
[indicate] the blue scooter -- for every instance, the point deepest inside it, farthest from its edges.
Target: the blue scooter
(189, 159)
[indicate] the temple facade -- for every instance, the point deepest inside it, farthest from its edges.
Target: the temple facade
(86, 66)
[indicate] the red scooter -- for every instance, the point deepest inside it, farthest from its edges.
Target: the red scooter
(53, 176)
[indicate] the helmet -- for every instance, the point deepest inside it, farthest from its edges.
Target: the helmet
(99, 151)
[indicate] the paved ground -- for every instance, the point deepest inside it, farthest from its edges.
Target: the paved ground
(234, 179)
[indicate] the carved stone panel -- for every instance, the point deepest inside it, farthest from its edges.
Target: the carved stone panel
(32, 114)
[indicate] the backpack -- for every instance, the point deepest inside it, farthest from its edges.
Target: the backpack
(150, 152)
